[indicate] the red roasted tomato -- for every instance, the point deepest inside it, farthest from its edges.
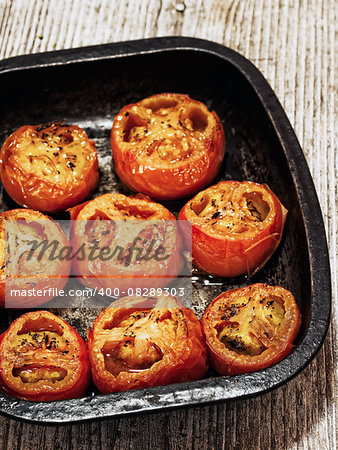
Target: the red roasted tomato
(250, 328)
(236, 227)
(25, 271)
(49, 167)
(167, 146)
(42, 358)
(105, 223)
(138, 346)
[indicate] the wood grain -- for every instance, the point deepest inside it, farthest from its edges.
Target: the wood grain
(293, 44)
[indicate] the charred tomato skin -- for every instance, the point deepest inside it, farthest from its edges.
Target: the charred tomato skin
(179, 359)
(176, 150)
(49, 167)
(244, 242)
(245, 337)
(72, 360)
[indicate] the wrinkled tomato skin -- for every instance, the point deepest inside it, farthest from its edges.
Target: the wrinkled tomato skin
(57, 272)
(80, 371)
(147, 275)
(232, 256)
(167, 183)
(228, 362)
(183, 360)
(71, 181)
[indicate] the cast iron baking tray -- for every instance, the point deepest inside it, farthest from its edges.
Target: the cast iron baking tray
(88, 86)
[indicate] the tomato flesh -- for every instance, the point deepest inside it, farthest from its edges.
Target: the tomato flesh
(23, 272)
(167, 146)
(138, 351)
(236, 227)
(250, 328)
(42, 358)
(49, 167)
(105, 220)
(251, 323)
(132, 348)
(32, 373)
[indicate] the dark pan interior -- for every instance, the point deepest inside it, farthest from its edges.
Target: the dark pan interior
(91, 93)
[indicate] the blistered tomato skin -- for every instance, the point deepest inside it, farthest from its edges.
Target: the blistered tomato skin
(250, 328)
(49, 167)
(42, 358)
(167, 146)
(105, 220)
(140, 347)
(43, 273)
(236, 227)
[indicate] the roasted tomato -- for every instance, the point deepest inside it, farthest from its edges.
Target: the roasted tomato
(124, 230)
(21, 266)
(236, 227)
(48, 167)
(42, 358)
(167, 146)
(250, 328)
(138, 347)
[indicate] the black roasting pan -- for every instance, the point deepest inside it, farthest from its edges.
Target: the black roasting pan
(88, 86)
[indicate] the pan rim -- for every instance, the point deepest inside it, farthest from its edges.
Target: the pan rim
(220, 388)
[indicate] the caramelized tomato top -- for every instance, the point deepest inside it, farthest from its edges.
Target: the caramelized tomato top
(250, 328)
(167, 146)
(236, 227)
(172, 128)
(144, 335)
(132, 231)
(43, 358)
(140, 346)
(24, 268)
(49, 167)
(121, 207)
(56, 152)
(234, 209)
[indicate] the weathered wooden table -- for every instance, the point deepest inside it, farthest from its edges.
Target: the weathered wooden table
(292, 43)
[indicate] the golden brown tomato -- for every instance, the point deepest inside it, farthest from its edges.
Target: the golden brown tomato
(250, 328)
(42, 358)
(25, 269)
(140, 346)
(128, 241)
(49, 167)
(167, 146)
(235, 226)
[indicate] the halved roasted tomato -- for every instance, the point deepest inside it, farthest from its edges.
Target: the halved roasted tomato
(236, 227)
(42, 358)
(137, 346)
(31, 273)
(49, 167)
(167, 146)
(127, 242)
(250, 328)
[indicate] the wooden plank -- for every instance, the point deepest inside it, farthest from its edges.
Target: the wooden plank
(292, 43)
